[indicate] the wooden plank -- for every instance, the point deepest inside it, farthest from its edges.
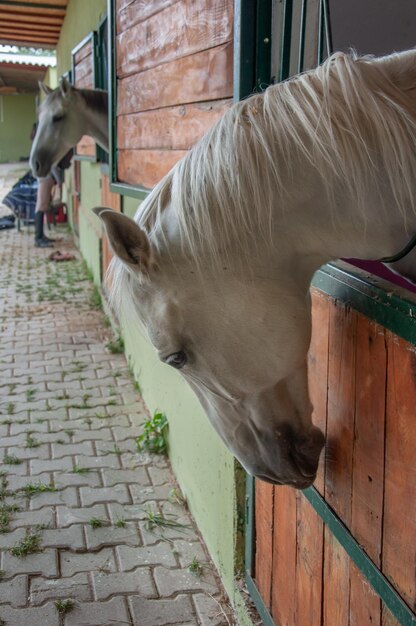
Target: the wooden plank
(86, 146)
(341, 401)
(29, 17)
(31, 25)
(29, 33)
(83, 53)
(204, 76)
(284, 556)
(318, 370)
(84, 73)
(336, 582)
(113, 201)
(146, 167)
(32, 11)
(264, 539)
(55, 3)
(399, 530)
(309, 564)
(338, 474)
(131, 12)
(176, 32)
(368, 467)
(176, 128)
(23, 38)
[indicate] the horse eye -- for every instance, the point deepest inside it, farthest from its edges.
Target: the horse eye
(176, 360)
(57, 118)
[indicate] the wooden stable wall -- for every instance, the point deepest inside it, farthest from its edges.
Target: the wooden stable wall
(174, 69)
(363, 386)
(84, 78)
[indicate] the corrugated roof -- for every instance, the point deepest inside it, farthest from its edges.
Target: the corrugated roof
(27, 59)
(36, 23)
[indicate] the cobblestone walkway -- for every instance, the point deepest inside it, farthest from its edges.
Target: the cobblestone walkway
(79, 505)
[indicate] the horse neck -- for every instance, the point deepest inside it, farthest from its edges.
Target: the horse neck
(96, 115)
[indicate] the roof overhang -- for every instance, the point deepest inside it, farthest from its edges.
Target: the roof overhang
(22, 77)
(36, 23)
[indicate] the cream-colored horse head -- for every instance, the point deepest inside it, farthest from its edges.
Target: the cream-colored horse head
(241, 344)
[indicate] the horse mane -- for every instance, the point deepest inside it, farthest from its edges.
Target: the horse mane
(348, 121)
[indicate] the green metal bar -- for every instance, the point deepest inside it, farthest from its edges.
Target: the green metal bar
(244, 48)
(374, 299)
(112, 91)
(286, 40)
(250, 530)
(258, 601)
(128, 190)
(302, 35)
(324, 32)
(263, 44)
(375, 578)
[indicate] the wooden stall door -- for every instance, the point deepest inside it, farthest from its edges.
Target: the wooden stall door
(174, 68)
(112, 201)
(363, 389)
(84, 78)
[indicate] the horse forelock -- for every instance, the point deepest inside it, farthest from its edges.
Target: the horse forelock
(346, 121)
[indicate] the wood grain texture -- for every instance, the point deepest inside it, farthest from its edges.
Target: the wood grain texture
(146, 167)
(284, 556)
(84, 74)
(182, 29)
(338, 474)
(112, 201)
(176, 128)
(131, 12)
(318, 370)
(264, 539)
(399, 529)
(309, 564)
(204, 76)
(86, 147)
(82, 53)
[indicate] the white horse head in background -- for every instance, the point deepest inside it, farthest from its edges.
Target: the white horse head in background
(219, 258)
(65, 116)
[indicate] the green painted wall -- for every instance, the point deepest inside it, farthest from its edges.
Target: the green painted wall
(82, 16)
(90, 229)
(17, 115)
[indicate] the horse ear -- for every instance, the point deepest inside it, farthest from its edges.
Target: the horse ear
(44, 88)
(65, 87)
(401, 68)
(128, 241)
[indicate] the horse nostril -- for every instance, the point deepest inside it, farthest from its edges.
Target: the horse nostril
(37, 166)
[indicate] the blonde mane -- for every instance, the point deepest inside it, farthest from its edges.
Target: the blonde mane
(347, 120)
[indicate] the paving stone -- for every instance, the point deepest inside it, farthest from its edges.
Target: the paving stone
(98, 462)
(161, 612)
(111, 535)
(71, 537)
(90, 479)
(43, 563)
(107, 447)
(60, 450)
(8, 540)
(159, 554)
(142, 494)
(76, 587)
(44, 517)
(97, 434)
(67, 516)
(172, 581)
(103, 561)
(38, 452)
(212, 612)
(114, 612)
(117, 493)
(115, 476)
(38, 466)
(160, 475)
(66, 496)
(18, 482)
(187, 550)
(47, 615)
(139, 581)
(14, 591)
